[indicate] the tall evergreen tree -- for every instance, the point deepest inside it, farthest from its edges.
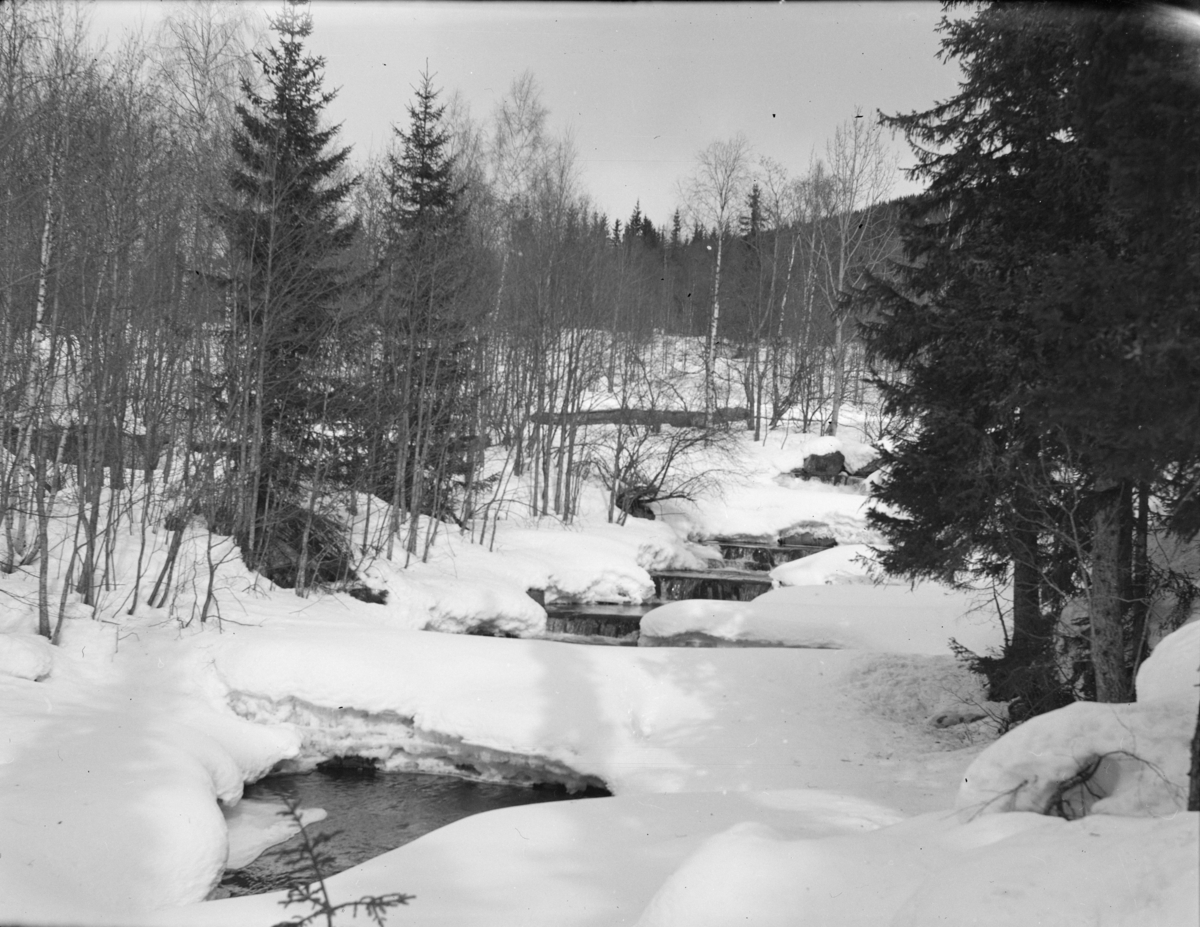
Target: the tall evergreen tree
(1013, 333)
(964, 485)
(751, 224)
(633, 228)
(287, 241)
(424, 320)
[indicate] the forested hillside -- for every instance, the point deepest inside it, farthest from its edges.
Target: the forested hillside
(213, 310)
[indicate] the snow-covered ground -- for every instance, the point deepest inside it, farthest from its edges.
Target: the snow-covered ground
(851, 777)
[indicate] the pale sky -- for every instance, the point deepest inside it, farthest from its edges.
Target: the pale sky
(643, 87)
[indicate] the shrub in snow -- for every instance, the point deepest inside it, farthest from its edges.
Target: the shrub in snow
(255, 826)
(1090, 758)
(312, 863)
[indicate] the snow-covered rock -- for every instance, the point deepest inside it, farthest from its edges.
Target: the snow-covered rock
(26, 656)
(1089, 758)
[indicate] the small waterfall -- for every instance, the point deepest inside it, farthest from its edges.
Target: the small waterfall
(739, 576)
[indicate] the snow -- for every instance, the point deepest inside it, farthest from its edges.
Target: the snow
(891, 618)
(596, 862)
(849, 777)
(846, 563)
(1172, 671)
(1142, 750)
(997, 870)
(27, 656)
(111, 775)
(749, 501)
(254, 825)
(1100, 870)
(640, 720)
(759, 510)
(465, 587)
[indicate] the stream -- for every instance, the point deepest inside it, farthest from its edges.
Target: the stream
(369, 815)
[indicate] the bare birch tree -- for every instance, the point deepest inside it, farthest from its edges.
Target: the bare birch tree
(713, 194)
(861, 173)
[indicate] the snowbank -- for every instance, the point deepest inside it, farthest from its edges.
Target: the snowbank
(467, 587)
(121, 769)
(770, 510)
(846, 563)
(638, 720)
(886, 618)
(1113, 866)
(110, 775)
(254, 826)
(596, 862)
(760, 498)
(1101, 870)
(1090, 758)
(26, 656)
(997, 870)
(1172, 671)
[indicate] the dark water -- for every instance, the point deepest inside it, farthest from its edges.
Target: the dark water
(595, 623)
(369, 815)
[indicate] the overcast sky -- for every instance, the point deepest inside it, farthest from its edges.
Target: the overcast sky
(643, 87)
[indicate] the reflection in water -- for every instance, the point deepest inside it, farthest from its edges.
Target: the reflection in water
(369, 815)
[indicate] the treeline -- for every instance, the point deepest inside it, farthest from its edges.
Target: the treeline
(213, 315)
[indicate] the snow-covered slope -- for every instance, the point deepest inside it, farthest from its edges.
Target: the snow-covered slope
(752, 784)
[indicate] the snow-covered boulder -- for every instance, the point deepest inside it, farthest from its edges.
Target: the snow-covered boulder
(1089, 758)
(27, 656)
(846, 563)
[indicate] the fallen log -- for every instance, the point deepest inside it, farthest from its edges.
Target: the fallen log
(651, 418)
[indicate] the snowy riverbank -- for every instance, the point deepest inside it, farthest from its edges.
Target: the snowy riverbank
(768, 784)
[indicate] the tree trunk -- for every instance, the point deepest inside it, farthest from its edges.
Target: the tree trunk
(710, 388)
(1194, 773)
(1030, 632)
(43, 545)
(839, 375)
(1108, 638)
(1140, 580)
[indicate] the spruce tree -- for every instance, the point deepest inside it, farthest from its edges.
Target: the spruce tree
(1030, 362)
(751, 224)
(287, 242)
(424, 316)
(633, 228)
